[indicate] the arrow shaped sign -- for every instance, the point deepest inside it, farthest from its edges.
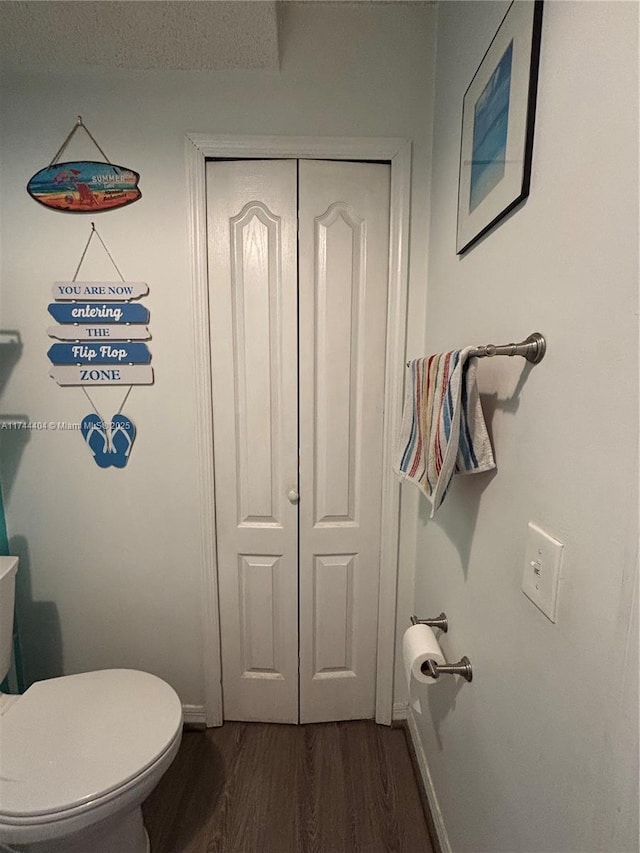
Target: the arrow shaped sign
(102, 332)
(114, 312)
(99, 290)
(126, 374)
(103, 353)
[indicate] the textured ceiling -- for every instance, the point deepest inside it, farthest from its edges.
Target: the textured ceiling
(49, 35)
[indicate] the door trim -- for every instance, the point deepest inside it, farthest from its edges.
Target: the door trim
(397, 151)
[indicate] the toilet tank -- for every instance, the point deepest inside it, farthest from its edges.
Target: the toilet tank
(8, 568)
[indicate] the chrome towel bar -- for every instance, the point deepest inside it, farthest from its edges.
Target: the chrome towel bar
(532, 348)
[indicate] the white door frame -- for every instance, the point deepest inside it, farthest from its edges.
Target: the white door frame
(199, 147)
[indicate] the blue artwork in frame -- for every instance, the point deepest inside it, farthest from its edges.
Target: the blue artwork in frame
(498, 118)
(490, 123)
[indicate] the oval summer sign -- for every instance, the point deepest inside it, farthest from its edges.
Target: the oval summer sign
(84, 186)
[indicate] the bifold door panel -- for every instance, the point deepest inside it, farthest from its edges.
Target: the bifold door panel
(343, 264)
(252, 222)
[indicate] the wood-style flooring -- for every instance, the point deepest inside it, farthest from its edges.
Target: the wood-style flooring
(262, 788)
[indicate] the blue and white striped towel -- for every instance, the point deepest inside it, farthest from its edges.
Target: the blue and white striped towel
(443, 430)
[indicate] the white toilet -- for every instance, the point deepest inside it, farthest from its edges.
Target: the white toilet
(79, 754)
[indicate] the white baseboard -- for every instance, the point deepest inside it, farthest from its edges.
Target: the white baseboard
(194, 714)
(436, 814)
(400, 711)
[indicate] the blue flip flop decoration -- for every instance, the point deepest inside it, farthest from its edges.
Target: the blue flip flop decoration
(123, 433)
(93, 431)
(108, 453)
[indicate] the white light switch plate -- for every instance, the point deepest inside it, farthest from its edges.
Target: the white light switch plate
(542, 570)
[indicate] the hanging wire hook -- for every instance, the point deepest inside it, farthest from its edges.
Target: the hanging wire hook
(79, 123)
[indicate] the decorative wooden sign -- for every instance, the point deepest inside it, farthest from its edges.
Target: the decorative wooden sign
(125, 374)
(115, 312)
(116, 352)
(89, 333)
(101, 346)
(100, 290)
(84, 186)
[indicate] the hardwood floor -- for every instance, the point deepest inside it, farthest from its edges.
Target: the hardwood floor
(262, 788)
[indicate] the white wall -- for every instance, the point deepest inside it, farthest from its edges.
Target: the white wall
(110, 573)
(539, 752)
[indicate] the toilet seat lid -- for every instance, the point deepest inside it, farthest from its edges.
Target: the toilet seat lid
(70, 740)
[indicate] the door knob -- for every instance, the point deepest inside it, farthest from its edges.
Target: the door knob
(293, 495)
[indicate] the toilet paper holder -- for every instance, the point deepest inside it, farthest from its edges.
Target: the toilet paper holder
(434, 669)
(440, 621)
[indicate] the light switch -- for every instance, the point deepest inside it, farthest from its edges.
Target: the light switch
(543, 559)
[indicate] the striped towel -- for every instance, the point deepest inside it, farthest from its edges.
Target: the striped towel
(443, 430)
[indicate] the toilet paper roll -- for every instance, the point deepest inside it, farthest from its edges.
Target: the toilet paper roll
(418, 645)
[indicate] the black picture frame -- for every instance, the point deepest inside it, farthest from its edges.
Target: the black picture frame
(498, 118)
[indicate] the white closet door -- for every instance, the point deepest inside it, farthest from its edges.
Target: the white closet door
(343, 275)
(253, 321)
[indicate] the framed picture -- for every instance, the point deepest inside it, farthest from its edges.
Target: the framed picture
(498, 115)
